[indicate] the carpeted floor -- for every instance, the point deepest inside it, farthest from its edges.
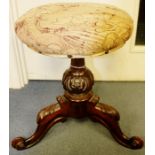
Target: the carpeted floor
(77, 137)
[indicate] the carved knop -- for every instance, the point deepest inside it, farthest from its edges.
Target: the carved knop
(79, 81)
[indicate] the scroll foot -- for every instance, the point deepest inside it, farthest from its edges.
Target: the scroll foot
(109, 117)
(47, 117)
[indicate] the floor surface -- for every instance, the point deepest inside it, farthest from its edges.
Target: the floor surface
(77, 137)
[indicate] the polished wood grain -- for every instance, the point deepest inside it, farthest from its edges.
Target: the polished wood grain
(78, 101)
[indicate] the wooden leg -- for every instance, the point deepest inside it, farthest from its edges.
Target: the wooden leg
(78, 101)
(109, 117)
(47, 117)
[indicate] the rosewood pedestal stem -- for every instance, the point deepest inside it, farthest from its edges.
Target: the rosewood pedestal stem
(78, 101)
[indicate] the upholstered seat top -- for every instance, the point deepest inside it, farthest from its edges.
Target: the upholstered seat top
(74, 28)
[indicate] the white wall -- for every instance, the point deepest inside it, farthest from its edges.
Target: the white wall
(126, 64)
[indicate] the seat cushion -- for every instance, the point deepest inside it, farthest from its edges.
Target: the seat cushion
(74, 28)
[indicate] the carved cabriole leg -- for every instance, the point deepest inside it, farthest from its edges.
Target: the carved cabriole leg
(47, 117)
(109, 117)
(78, 101)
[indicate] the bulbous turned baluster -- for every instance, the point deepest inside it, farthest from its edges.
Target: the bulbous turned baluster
(78, 81)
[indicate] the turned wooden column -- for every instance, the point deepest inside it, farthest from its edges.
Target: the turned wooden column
(77, 82)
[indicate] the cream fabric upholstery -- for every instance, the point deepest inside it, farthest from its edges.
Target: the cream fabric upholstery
(74, 28)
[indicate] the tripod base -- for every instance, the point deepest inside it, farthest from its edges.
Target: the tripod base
(78, 101)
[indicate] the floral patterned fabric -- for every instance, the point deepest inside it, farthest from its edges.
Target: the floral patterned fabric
(74, 28)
